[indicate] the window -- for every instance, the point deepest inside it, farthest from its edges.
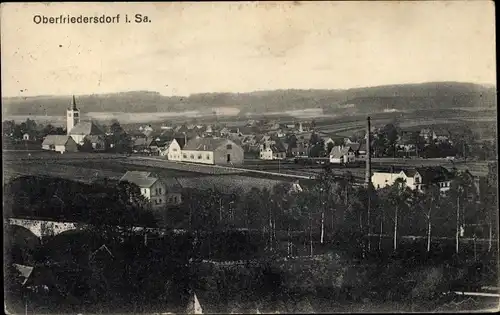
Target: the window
(199, 156)
(184, 156)
(417, 180)
(191, 156)
(174, 149)
(208, 156)
(75, 115)
(69, 114)
(229, 146)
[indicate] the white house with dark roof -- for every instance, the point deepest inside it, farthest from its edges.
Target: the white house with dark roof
(272, 150)
(159, 191)
(342, 155)
(173, 151)
(418, 178)
(59, 143)
(212, 151)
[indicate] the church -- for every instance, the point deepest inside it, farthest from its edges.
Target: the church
(84, 130)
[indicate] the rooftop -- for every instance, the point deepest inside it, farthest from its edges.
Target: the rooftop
(55, 140)
(86, 128)
(204, 144)
(141, 179)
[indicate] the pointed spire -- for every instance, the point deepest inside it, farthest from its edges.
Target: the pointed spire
(74, 103)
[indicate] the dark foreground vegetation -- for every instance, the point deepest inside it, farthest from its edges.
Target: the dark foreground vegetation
(267, 250)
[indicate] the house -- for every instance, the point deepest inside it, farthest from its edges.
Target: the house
(59, 143)
(273, 151)
(250, 140)
(29, 136)
(147, 130)
(150, 185)
(359, 149)
(328, 141)
(273, 126)
(174, 191)
(84, 129)
(145, 145)
(341, 155)
(98, 142)
(418, 178)
(442, 135)
(406, 142)
(428, 135)
(361, 154)
(212, 151)
(208, 130)
(174, 151)
(181, 129)
(301, 148)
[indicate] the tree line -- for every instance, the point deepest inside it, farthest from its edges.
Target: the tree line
(324, 212)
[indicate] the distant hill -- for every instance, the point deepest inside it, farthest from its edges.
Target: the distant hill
(435, 95)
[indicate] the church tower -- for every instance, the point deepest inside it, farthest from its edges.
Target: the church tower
(72, 117)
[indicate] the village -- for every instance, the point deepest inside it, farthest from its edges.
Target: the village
(299, 148)
(221, 158)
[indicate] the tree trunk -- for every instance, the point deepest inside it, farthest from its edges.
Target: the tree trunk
(368, 218)
(490, 236)
(428, 233)
(220, 210)
(381, 231)
(190, 217)
(332, 223)
(270, 231)
(475, 253)
(310, 235)
(289, 251)
(346, 199)
(322, 226)
(395, 237)
(274, 233)
(429, 227)
(457, 234)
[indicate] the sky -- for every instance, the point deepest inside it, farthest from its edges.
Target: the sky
(241, 47)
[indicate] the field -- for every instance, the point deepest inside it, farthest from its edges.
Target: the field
(483, 123)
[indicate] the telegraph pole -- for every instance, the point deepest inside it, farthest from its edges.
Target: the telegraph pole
(368, 174)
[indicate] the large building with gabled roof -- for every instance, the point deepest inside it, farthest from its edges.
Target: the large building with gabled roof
(78, 129)
(212, 151)
(59, 143)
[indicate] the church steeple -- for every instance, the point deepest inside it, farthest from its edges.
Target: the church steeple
(72, 116)
(74, 104)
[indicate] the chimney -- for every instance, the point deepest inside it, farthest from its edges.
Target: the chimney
(368, 176)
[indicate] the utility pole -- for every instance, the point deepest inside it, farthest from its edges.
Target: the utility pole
(368, 174)
(457, 235)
